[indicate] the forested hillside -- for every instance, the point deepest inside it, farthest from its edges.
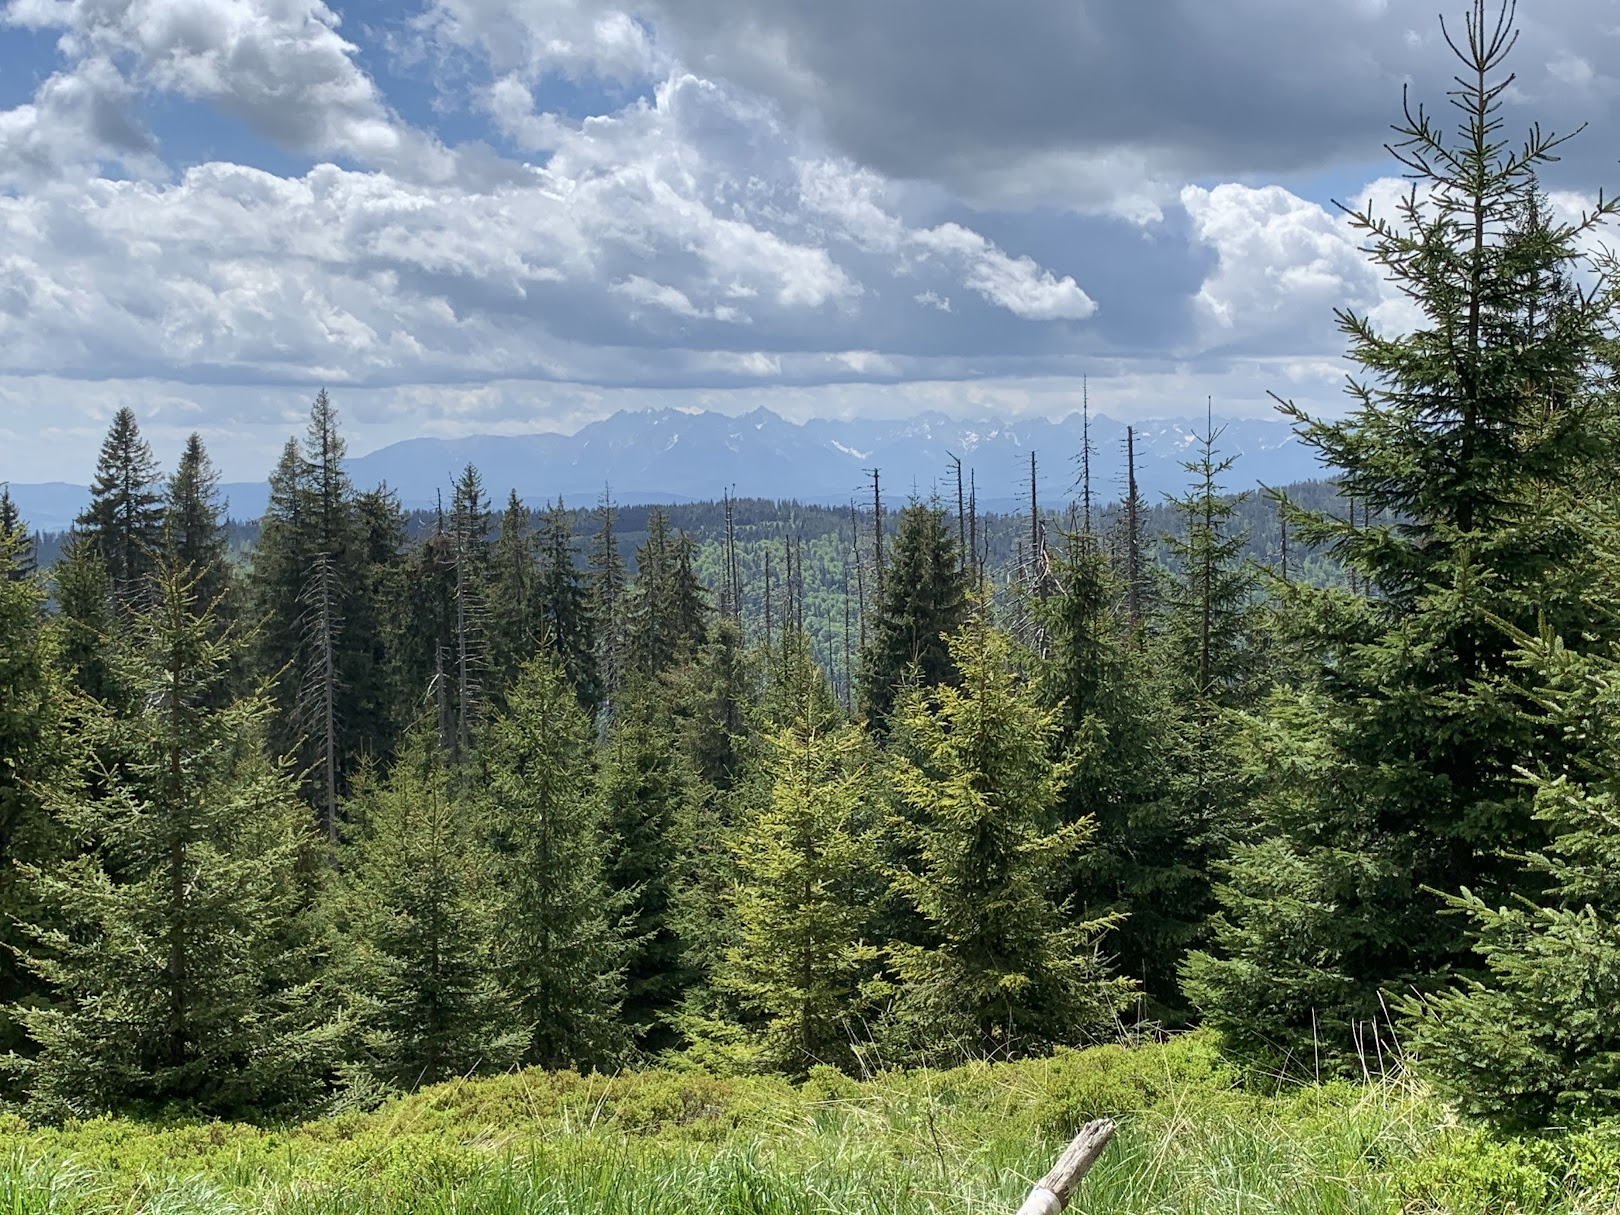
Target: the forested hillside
(304, 819)
(829, 549)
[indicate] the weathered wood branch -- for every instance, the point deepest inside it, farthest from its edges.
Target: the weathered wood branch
(1052, 1192)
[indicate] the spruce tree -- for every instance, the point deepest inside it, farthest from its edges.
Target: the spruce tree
(427, 630)
(416, 961)
(666, 607)
(316, 586)
(564, 602)
(469, 552)
(803, 963)
(923, 599)
(23, 561)
(647, 794)
(713, 706)
(1198, 672)
(33, 705)
(194, 539)
(1210, 643)
(559, 949)
(176, 943)
(514, 617)
(1115, 712)
(86, 629)
(330, 523)
(280, 566)
(124, 521)
(1003, 966)
(1535, 1040)
(714, 703)
(193, 524)
(377, 705)
(1392, 773)
(608, 590)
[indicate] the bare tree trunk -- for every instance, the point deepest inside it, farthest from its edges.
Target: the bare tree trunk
(849, 676)
(961, 518)
(1282, 525)
(767, 601)
(973, 529)
(877, 532)
(1085, 451)
(1133, 536)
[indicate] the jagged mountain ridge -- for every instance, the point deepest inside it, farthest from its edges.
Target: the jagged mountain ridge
(672, 455)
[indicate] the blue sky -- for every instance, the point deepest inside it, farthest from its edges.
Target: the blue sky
(474, 216)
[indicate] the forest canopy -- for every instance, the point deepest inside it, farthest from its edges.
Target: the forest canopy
(375, 801)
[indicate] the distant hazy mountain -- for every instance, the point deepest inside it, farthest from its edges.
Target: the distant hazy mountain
(670, 455)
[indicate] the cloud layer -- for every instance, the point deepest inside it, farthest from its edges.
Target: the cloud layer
(820, 206)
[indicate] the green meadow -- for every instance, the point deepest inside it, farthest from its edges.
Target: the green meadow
(1193, 1138)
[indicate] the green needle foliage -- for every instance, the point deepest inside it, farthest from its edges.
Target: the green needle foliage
(777, 794)
(1003, 967)
(124, 521)
(666, 607)
(924, 599)
(193, 531)
(176, 942)
(802, 963)
(33, 705)
(563, 600)
(1536, 1041)
(559, 945)
(1470, 435)
(648, 794)
(23, 562)
(415, 958)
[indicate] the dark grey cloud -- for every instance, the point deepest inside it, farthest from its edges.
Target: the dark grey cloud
(966, 91)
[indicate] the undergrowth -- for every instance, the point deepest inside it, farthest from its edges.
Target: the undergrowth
(1191, 1139)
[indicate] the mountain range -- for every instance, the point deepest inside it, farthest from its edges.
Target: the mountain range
(672, 455)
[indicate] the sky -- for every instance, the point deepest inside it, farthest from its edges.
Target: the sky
(494, 216)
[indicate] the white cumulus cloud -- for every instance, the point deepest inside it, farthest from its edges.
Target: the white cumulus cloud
(279, 66)
(1282, 265)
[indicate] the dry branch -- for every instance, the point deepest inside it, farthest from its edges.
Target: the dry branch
(1052, 1192)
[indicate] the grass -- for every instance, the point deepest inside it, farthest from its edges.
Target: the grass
(958, 1142)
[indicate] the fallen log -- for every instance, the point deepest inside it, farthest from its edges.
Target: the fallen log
(1052, 1192)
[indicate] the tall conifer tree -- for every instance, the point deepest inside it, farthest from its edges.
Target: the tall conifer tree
(417, 961)
(86, 628)
(24, 560)
(923, 599)
(667, 607)
(564, 602)
(469, 552)
(513, 593)
(1535, 1040)
(1003, 967)
(608, 587)
(1191, 683)
(560, 950)
(32, 757)
(175, 943)
(316, 587)
(648, 794)
(803, 963)
(193, 525)
(1114, 712)
(124, 521)
(1393, 773)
